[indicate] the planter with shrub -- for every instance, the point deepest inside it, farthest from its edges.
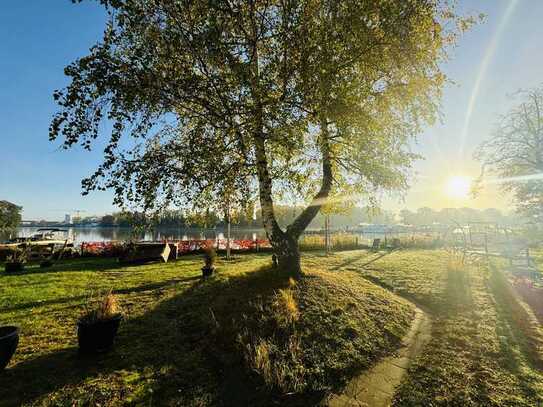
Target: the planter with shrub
(97, 328)
(9, 339)
(16, 260)
(210, 256)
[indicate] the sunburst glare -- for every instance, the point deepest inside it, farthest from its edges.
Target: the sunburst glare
(458, 187)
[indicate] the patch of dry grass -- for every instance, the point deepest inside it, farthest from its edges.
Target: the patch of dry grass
(315, 334)
(285, 307)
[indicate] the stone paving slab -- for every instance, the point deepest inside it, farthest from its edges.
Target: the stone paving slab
(376, 386)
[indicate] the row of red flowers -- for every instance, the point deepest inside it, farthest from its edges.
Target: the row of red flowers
(113, 248)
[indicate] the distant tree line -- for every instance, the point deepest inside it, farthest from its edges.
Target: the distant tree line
(248, 217)
(285, 214)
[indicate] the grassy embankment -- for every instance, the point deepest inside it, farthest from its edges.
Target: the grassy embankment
(482, 352)
(246, 337)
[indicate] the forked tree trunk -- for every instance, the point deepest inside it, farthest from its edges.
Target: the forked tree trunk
(285, 243)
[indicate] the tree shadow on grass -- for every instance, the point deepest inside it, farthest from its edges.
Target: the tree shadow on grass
(68, 265)
(364, 254)
(185, 350)
(129, 290)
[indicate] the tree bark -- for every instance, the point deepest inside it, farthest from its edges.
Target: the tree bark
(285, 246)
(303, 220)
(284, 243)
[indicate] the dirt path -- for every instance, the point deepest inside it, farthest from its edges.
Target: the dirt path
(376, 386)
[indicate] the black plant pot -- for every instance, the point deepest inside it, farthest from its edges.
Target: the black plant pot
(9, 339)
(14, 266)
(207, 271)
(97, 336)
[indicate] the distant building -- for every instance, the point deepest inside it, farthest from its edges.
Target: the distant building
(68, 218)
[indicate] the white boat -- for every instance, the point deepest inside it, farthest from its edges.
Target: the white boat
(44, 243)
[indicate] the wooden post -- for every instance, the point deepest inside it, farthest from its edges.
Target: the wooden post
(486, 246)
(327, 240)
(228, 230)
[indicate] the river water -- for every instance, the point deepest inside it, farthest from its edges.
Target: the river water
(103, 234)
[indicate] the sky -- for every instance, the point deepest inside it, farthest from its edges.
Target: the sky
(39, 38)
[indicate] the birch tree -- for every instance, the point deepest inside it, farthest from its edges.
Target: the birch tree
(274, 98)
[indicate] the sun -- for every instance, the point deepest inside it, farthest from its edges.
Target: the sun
(458, 187)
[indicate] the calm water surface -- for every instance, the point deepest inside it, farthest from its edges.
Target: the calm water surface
(101, 234)
(104, 234)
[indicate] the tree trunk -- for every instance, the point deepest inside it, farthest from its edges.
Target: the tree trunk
(299, 225)
(284, 243)
(288, 255)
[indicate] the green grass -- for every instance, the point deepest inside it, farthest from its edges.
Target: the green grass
(537, 255)
(188, 342)
(479, 354)
(416, 274)
(249, 337)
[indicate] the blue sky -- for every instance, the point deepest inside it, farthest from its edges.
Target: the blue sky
(39, 38)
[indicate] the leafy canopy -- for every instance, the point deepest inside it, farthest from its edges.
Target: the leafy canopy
(513, 155)
(345, 84)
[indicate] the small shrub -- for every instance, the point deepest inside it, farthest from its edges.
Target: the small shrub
(279, 367)
(285, 307)
(260, 360)
(210, 257)
(104, 308)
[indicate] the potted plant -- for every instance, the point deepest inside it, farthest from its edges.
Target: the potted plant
(9, 339)
(210, 256)
(16, 260)
(97, 328)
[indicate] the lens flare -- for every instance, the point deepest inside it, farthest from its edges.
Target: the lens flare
(489, 54)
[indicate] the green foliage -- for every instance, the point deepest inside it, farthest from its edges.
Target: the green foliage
(10, 215)
(304, 98)
(513, 156)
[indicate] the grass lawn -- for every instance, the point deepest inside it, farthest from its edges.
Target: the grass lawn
(479, 354)
(249, 336)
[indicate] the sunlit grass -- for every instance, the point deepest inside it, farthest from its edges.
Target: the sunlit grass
(190, 342)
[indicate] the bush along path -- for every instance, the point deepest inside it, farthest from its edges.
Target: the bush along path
(376, 387)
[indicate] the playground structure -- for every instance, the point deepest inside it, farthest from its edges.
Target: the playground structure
(486, 240)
